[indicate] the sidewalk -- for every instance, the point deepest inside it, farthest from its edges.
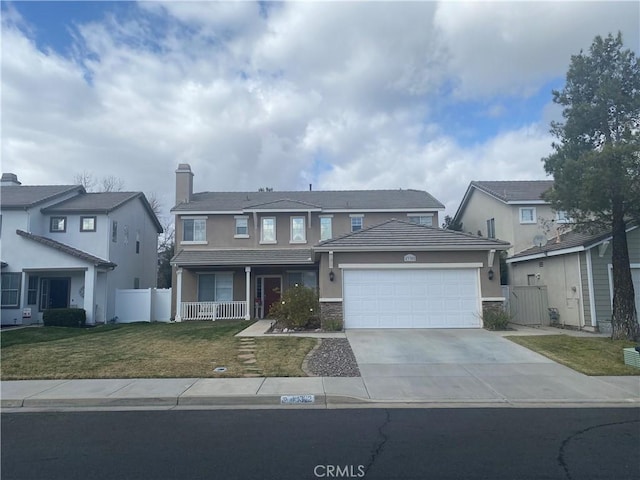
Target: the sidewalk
(461, 385)
(563, 388)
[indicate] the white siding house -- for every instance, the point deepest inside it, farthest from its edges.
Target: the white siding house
(63, 247)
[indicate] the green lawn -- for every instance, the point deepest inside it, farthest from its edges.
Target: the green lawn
(591, 356)
(146, 350)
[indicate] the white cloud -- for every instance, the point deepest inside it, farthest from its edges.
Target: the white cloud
(513, 47)
(341, 95)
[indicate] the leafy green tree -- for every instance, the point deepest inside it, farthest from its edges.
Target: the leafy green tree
(450, 223)
(596, 161)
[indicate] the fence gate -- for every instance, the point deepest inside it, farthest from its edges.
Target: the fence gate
(529, 305)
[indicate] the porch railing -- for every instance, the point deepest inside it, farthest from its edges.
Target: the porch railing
(213, 310)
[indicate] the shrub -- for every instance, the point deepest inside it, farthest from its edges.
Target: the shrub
(64, 317)
(494, 317)
(298, 308)
(332, 325)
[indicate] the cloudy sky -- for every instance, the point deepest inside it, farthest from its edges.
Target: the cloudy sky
(426, 95)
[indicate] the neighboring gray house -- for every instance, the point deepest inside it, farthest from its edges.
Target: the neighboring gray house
(513, 211)
(63, 247)
(577, 272)
(376, 257)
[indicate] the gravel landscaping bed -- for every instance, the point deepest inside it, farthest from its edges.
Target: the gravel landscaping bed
(333, 358)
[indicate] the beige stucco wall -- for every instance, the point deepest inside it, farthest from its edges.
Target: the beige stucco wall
(329, 289)
(482, 207)
(221, 229)
(561, 275)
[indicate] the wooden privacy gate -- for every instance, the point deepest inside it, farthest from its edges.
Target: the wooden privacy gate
(529, 305)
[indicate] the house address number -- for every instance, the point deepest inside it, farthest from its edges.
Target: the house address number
(297, 399)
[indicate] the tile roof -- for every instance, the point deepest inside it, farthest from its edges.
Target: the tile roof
(327, 200)
(569, 240)
(266, 256)
(401, 234)
(93, 202)
(74, 252)
(23, 196)
(284, 204)
(515, 190)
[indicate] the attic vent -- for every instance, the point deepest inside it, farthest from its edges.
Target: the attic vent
(541, 264)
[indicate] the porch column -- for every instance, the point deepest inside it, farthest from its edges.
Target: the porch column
(90, 276)
(247, 271)
(178, 295)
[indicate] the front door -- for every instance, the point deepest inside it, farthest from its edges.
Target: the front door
(54, 292)
(272, 291)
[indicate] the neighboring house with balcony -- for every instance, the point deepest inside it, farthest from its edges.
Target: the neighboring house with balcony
(63, 247)
(513, 211)
(376, 257)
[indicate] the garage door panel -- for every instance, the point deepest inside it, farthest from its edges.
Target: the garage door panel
(416, 298)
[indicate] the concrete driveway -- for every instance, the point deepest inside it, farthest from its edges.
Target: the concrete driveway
(465, 365)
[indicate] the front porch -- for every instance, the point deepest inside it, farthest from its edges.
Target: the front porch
(234, 293)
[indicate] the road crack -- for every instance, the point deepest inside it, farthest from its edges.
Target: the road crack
(383, 438)
(566, 441)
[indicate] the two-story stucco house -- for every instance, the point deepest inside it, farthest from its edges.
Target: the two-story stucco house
(376, 257)
(550, 266)
(513, 211)
(63, 247)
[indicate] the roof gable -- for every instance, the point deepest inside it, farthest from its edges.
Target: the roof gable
(401, 234)
(102, 202)
(519, 192)
(283, 204)
(25, 196)
(64, 248)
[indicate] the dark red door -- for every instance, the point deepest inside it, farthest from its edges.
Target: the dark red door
(272, 292)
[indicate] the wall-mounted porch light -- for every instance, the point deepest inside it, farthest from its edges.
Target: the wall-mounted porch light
(490, 274)
(331, 276)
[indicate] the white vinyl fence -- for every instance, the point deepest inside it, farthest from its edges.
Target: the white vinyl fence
(143, 305)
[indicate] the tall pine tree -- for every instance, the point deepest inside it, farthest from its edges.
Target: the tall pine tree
(596, 160)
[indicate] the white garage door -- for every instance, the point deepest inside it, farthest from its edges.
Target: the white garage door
(429, 298)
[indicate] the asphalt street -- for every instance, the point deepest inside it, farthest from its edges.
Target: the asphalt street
(487, 443)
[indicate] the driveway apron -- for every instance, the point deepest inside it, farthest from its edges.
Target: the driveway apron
(465, 365)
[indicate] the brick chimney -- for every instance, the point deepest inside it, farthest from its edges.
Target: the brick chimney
(9, 179)
(184, 183)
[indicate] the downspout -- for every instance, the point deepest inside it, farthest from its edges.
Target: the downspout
(592, 300)
(580, 302)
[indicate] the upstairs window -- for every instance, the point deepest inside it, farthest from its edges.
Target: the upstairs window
(426, 220)
(87, 224)
(58, 224)
(325, 228)
(242, 227)
(194, 230)
(114, 231)
(562, 217)
(268, 231)
(491, 228)
(528, 215)
(357, 221)
(298, 234)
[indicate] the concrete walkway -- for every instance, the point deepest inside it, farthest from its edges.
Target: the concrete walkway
(535, 383)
